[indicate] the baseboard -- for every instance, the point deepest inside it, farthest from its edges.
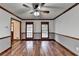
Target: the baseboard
(17, 40)
(38, 40)
(5, 51)
(67, 49)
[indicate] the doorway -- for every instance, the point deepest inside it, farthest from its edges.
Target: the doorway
(15, 29)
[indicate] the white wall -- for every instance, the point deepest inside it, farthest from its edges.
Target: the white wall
(5, 18)
(5, 44)
(67, 24)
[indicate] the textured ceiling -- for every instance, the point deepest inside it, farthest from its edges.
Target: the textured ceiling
(24, 12)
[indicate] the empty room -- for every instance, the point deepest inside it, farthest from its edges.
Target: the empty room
(39, 29)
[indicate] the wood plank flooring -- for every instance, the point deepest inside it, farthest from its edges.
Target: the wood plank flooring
(37, 48)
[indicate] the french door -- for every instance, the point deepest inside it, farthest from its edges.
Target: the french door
(44, 30)
(29, 30)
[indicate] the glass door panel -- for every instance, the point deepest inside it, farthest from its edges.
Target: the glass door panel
(29, 31)
(44, 30)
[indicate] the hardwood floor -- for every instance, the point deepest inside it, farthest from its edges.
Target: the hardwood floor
(37, 48)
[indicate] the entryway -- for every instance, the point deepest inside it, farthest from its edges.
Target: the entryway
(15, 29)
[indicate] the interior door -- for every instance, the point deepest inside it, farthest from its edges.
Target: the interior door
(15, 29)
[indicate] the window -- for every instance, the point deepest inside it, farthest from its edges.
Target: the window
(45, 29)
(29, 30)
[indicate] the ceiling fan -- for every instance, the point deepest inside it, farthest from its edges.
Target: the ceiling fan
(36, 8)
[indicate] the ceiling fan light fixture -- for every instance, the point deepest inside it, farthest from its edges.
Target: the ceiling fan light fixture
(36, 13)
(39, 7)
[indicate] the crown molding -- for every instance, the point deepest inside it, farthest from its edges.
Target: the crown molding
(9, 12)
(66, 10)
(42, 19)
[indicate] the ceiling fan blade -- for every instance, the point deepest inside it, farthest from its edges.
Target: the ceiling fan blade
(53, 7)
(44, 11)
(26, 6)
(42, 4)
(31, 12)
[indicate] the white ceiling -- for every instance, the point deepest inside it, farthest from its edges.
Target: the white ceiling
(24, 12)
